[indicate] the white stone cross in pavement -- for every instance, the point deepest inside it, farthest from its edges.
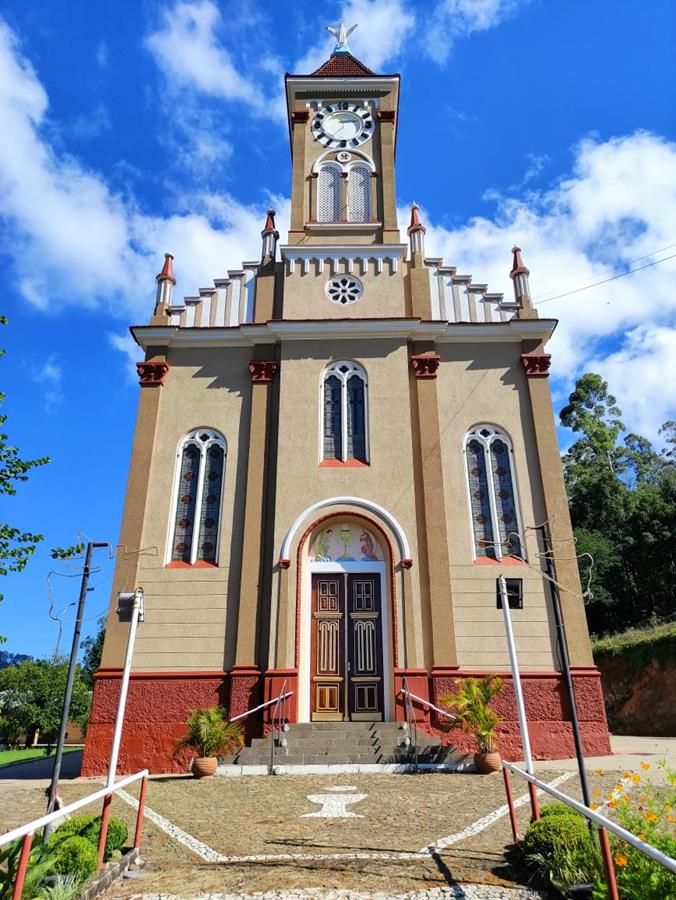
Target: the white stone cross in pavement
(334, 805)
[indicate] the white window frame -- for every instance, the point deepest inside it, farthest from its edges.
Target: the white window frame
(495, 433)
(215, 438)
(353, 369)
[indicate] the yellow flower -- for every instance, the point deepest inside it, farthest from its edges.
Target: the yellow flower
(620, 860)
(593, 806)
(625, 797)
(667, 807)
(642, 799)
(597, 793)
(626, 774)
(612, 804)
(600, 771)
(645, 765)
(641, 837)
(650, 817)
(618, 787)
(636, 778)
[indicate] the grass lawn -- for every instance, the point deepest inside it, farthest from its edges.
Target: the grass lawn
(13, 756)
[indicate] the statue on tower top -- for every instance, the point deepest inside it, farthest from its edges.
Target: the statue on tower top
(341, 33)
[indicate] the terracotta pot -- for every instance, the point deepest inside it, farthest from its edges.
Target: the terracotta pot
(488, 762)
(204, 766)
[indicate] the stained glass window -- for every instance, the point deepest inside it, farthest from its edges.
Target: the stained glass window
(493, 503)
(198, 498)
(344, 413)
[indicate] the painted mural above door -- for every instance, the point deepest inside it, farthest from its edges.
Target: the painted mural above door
(345, 542)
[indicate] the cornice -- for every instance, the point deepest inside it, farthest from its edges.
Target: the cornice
(287, 331)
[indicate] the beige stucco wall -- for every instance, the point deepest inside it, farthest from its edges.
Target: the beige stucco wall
(387, 481)
(190, 622)
(480, 383)
(383, 297)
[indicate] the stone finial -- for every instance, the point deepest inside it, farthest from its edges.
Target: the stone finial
(270, 237)
(165, 287)
(416, 231)
(519, 276)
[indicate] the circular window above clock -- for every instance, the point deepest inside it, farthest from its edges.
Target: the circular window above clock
(344, 289)
(342, 125)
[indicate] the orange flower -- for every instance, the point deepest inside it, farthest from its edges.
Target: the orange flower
(641, 837)
(645, 765)
(620, 860)
(612, 804)
(597, 793)
(618, 787)
(642, 799)
(626, 774)
(625, 797)
(593, 806)
(650, 817)
(636, 778)
(671, 818)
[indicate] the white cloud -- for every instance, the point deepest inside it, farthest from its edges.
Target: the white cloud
(188, 51)
(102, 55)
(92, 124)
(73, 240)
(50, 375)
(619, 204)
(453, 19)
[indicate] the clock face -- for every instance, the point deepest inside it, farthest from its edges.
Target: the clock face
(342, 125)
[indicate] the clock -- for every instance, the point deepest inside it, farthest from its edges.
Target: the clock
(342, 125)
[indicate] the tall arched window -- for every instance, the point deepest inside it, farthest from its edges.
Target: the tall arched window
(359, 194)
(344, 413)
(199, 486)
(328, 193)
(492, 493)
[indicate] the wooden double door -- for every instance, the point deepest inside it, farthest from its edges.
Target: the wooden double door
(347, 648)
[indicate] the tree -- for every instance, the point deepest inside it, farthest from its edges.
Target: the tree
(16, 546)
(93, 648)
(622, 498)
(11, 659)
(31, 699)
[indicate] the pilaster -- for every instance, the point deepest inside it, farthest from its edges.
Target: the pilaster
(299, 120)
(430, 506)
(536, 366)
(387, 119)
(152, 373)
(263, 370)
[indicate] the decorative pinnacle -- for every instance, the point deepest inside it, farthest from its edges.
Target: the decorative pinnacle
(416, 224)
(167, 273)
(270, 223)
(518, 266)
(341, 33)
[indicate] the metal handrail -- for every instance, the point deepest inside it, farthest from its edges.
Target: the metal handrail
(411, 731)
(27, 831)
(261, 706)
(281, 702)
(602, 822)
(442, 712)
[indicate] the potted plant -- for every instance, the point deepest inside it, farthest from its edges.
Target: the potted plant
(471, 706)
(210, 733)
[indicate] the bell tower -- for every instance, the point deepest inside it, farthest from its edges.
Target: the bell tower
(342, 126)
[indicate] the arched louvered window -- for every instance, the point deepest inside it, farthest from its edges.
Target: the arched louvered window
(199, 489)
(492, 493)
(359, 194)
(328, 194)
(344, 413)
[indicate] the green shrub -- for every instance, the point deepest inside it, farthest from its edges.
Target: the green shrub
(89, 827)
(559, 847)
(556, 809)
(76, 856)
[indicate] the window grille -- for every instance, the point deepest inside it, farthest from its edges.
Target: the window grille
(328, 194)
(201, 466)
(492, 496)
(344, 413)
(344, 289)
(359, 194)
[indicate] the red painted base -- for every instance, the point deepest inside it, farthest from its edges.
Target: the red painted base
(158, 705)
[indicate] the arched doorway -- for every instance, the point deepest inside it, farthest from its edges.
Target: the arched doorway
(345, 632)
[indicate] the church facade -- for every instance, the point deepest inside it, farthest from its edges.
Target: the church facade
(339, 447)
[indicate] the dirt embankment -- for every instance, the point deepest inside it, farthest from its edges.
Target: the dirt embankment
(639, 685)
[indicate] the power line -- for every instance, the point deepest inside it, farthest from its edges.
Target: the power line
(610, 271)
(605, 280)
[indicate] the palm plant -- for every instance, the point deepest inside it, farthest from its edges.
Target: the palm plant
(471, 705)
(210, 732)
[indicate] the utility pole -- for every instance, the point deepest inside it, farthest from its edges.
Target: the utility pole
(91, 546)
(564, 659)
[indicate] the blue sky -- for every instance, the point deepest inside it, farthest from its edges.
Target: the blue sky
(135, 128)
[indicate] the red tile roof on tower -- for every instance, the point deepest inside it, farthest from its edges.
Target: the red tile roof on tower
(416, 224)
(518, 265)
(342, 65)
(167, 273)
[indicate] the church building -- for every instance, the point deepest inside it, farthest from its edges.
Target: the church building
(339, 447)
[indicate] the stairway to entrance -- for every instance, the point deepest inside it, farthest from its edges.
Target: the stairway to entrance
(349, 743)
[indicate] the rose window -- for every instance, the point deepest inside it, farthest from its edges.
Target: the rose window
(344, 289)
